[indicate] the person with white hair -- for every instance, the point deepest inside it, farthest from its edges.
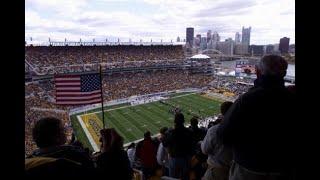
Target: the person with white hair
(258, 127)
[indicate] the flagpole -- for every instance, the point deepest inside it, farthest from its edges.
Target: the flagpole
(101, 97)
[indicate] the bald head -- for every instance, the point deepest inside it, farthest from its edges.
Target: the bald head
(272, 65)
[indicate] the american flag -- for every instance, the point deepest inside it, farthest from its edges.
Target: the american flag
(77, 89)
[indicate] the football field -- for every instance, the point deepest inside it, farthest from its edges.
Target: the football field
(132, 121)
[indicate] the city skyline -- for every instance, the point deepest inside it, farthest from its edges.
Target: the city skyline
(163, 19)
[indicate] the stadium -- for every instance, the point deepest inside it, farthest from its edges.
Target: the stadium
(157, 90)
(140, 88)
(137, 80)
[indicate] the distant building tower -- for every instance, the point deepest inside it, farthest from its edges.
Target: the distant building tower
(198, 40)
(203, 43)
(256, 50)
(269, 49)
(284, 45)
(190, 35)
(237, 38)
(198, 36)
(241, 49)
(246, 35)
(209, 35)
(178, 39)
(226, 47)
(215, 37)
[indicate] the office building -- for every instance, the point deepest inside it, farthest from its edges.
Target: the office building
(256, 50)
(209, 36)
(284, 45)
(246, 35)
(270, 49)
(237, 38)
(226, 47)
(241, 49)
(203, 43)
(190, 36)
(215, 37)
(198, 39)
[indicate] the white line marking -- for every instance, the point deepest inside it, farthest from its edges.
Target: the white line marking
(90, 138)
(135, 105)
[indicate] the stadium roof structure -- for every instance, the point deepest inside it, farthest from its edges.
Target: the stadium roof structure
(200, 56)
(69, 43)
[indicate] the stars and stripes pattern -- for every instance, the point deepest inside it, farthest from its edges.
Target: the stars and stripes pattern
(77, 89)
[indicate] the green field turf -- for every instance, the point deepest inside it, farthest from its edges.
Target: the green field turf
(132, 121)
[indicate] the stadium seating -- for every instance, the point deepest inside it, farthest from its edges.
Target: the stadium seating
(47, 56)
(116, 86)
(39, 95)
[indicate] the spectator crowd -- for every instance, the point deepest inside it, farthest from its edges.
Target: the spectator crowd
(39, 96)
(50, 59)
(231, 84)
(251, 140)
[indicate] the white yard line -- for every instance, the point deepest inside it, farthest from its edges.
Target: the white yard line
(90, 138)
(135, 105)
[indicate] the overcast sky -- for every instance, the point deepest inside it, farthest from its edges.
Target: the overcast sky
(157, 19)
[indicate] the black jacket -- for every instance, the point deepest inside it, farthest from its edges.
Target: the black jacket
(259, 127)
(179, 142)
(114, 165)
(73, 153)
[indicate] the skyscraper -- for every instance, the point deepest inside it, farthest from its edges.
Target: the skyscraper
(246, 35)
(178, 39)
(190, 35)
(237, 38)
(284, 45)
(215, 37)
(199, 36)
(209, 35)
(198, 39)
(203, 43)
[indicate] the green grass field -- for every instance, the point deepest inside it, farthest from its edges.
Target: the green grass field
(132, 121)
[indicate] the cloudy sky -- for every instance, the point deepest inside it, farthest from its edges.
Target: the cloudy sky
(157, 19)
